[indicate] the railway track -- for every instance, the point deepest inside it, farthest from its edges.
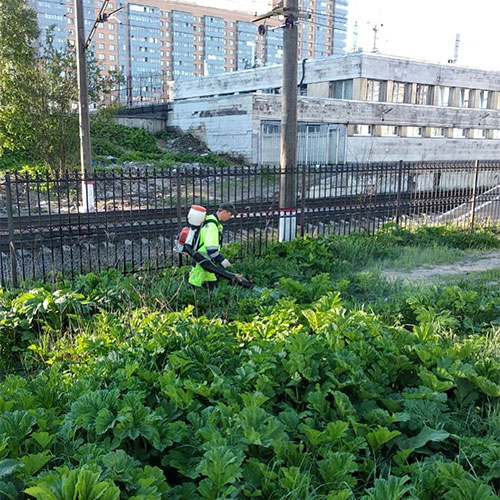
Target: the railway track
(35, 231)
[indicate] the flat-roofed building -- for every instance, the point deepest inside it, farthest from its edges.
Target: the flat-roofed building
(357, 108)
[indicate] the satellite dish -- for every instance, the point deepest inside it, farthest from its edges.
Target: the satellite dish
(262, 29)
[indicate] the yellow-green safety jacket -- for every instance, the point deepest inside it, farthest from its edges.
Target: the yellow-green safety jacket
(209, 244)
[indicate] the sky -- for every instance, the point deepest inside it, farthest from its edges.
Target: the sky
(418, 29)
(427, 29)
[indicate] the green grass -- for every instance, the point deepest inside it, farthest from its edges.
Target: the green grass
(412, 257)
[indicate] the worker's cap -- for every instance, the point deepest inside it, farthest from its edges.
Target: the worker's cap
(228, 207)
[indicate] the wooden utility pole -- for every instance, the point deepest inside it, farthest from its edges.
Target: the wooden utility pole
(87, 202)
(288, 163)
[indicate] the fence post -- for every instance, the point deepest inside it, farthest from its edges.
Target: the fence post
(474, 192)
(179, 208)
(303, 202)
(398, 195)
(10, 223)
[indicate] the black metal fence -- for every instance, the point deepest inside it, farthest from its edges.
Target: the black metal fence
(138, 212)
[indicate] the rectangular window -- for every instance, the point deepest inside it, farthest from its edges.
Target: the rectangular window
(423, 94)
(389, 130)
(477, 133)
(414, 132)
(459, 133)
(341, 89)
(443, 96)
(483, 99)
(463, 98)
(373, 90)
(438, 132)
(398, 92)
(362, 129)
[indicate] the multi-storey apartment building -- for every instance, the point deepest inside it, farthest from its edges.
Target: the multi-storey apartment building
(155, 41)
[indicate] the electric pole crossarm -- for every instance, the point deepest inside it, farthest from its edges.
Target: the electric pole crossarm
(275, 12)
(102, 17)
(96, 22)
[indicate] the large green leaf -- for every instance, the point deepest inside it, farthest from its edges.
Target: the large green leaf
(8, 467)
(380, 436)
(33, 463)
(221, 465)
(422, 438)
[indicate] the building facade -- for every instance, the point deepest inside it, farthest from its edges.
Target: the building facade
(354, 108)
(152, 42)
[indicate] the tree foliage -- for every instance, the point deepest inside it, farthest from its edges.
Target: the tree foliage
(18, 75)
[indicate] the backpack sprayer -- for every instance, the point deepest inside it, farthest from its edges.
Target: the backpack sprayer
(188, 242)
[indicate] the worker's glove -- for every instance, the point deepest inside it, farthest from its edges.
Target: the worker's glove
(225, 263)
(238, 277)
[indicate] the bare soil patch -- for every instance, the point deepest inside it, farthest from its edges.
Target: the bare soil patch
(484, 261)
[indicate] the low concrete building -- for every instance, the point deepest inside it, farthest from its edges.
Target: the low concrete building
(354, 108)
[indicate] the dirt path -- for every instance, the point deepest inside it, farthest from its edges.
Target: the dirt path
(485, 261)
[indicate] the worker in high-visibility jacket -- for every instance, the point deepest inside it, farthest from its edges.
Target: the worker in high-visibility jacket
(210, 245)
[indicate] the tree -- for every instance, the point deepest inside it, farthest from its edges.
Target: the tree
(18, 74)
(39, 95)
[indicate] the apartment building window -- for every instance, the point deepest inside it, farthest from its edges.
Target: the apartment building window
(111, 36)
(341, 89)
(423, 94)
(101, 46)
(111, 47)
(389, 130)
(443, 96)
(414, 132)
(463, 98)
(100, 36)
(362, 129)
(438, 132)
(373, 88)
